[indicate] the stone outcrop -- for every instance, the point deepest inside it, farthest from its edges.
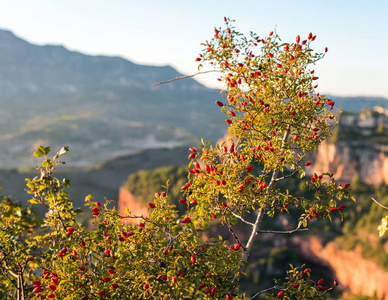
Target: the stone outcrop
(354, 273)
(347, 159)
(128, 201)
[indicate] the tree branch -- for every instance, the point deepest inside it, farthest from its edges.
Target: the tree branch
(264, 291)
(259, 218)
(283, 232)
(242, 219)
(186, 76)
(385, 207)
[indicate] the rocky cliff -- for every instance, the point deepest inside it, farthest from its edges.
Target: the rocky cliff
(354, 273)
(128, 201)
(347, 159)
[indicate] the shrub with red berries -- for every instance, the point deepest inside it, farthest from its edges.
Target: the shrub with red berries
(275, 118)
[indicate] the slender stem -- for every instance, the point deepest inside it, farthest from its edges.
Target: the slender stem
(264, 291)
(186, 76)
(385, 207)
(242, 219)
(283, 232)
(231, 230)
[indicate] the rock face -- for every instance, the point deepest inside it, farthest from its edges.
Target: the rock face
(354, 273)
(345, 160)
(128, 201)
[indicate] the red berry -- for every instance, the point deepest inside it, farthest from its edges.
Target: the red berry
(111, 271)
(101, 293)
(219, 103)
(295, 285)
(228, 296)
(298, 39)
(52, 287)
(341, 207)
(146, 286)
(51, 296)
(115, 285)
(237, 247)
(106, 279)
(308, 270)
(31, 258)
(280, 294)
(333, 209)
(37, 289)
(151, 205)
(326, 49)
(308, 164)
(193, 259)
(183, 201)
(320, 281)
(141, 225)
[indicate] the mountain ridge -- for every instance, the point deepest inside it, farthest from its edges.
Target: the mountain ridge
(100, 106)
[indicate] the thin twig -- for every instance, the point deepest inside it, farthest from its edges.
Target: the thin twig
(283, 232)
(231, 229)
(186, 76)
(242, 219)
(385, 207)
(287, 176)
(264, 291)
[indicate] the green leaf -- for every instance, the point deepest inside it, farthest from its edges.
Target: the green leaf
(42, 151)
(46, 163)
(66, 182)
(34, 201)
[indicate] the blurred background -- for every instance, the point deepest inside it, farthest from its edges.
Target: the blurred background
(80, 74)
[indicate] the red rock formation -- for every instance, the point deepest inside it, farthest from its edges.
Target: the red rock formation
(356, 274)
(345, 160)
(128, 201)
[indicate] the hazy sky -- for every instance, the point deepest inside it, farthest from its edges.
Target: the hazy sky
(166, 32)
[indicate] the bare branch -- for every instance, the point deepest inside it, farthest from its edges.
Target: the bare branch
(242, 219)
(230, 229)
(283, 232)
(287, 176)
(186, 76)
(264, 291)
(385, 207)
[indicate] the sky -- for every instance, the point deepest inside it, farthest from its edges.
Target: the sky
(157, 32)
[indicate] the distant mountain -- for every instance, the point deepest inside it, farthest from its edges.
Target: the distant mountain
(100, 106)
